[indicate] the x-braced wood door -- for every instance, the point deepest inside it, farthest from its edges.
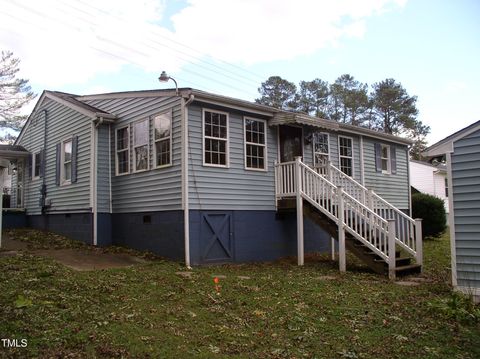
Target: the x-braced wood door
(216, 237)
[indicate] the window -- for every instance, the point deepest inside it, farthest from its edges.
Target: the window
(215, 138)
(140, 145)
(66, 169)
(37, 163)
(446, 187)
(123, 150)
(320, 148)
(385, 158)
(345, 148)
(255, 144)
(163, 139)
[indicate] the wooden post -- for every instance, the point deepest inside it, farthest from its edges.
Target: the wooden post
(332, 243)
(391, 249)
(419, 242)
(299, 200)
(329, 171)
(275, 169)
(370, 199)
(342, 262)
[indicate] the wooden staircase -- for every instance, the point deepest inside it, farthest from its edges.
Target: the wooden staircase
(403, 262)
(379, 234)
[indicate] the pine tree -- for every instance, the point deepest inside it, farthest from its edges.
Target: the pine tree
(14, 94)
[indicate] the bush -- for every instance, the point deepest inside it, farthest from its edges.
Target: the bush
(432, 211)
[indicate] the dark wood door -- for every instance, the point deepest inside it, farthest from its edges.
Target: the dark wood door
(291, 144)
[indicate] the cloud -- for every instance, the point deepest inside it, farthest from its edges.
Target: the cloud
(250, 31)
(71, 42)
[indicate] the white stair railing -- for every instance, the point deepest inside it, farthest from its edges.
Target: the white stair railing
(408, 230)
(352, 216)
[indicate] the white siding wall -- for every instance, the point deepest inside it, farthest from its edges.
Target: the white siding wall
(424, 178)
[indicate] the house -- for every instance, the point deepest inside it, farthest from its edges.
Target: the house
(207, 178)
(430, 178)
(462, 153)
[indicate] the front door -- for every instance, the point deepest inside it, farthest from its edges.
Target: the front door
(291, 144)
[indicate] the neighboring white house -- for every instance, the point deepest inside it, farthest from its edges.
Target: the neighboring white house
(430, 179)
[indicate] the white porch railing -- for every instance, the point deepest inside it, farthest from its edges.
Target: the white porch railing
(408, 230)
(295, 179)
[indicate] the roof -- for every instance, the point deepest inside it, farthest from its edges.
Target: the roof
(278, 116)
(440, 166)
(446, 145)
(11, 152)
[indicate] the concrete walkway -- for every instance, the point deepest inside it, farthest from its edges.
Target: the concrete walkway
(79, 259)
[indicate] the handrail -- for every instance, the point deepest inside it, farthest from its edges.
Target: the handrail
(408, 231)
(360, 221)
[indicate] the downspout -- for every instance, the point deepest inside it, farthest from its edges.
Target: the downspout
(185, 194)
(43, 189)
(409, 184)
(362, 162)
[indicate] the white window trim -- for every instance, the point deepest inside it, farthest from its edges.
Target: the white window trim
(127, 149)
(313, 146)
(227, 140)
(155, 166)
(389, 159)
(134, 153)
(340, 156)
(63, 181)
(34, 162)
(245, 143)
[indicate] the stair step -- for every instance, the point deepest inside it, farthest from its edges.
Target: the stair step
(399, 261)
(411, 268)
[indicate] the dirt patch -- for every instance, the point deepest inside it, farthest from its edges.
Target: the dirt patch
(85, 260)
(76, 258)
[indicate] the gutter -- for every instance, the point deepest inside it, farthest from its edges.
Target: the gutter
(185, 195)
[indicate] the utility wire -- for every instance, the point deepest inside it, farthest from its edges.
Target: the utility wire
(127, 48)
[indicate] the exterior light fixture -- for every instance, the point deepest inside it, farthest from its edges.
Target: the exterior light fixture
(164, 78)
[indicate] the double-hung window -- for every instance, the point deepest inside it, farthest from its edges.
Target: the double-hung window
(385, 158)
(122, 145)
(320, 148)
(345, 149)
(255, 144)
(37, 163)
(215, 138)
(66, 160)
(140, 145)
(163, 139)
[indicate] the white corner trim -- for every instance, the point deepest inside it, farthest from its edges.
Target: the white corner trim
(451, 220)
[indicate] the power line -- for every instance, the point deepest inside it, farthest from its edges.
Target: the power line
(127, 48)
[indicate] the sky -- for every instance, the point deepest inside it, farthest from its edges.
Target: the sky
(228, 47)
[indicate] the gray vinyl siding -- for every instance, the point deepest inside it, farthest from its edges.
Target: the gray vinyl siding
(62, 124)
(466, 203)
(233, 188)
(157, 189)
(394, 188)
(103, 169)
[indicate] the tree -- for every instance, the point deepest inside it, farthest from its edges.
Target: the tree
(349, 101)
(14, 94)
(313, 97)
(418, 135)
(279, 93)
(396, 111)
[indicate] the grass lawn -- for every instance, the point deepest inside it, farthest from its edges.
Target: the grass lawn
(275, 310)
